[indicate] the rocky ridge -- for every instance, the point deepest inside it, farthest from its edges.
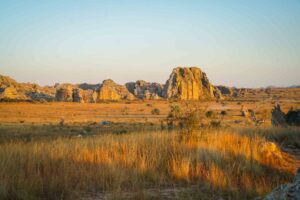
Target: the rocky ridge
(184, 83)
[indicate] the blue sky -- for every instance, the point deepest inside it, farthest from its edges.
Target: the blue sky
(237, 43)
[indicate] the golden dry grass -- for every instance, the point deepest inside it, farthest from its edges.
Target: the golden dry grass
(40, 159)
(217, 163)
(126, 112)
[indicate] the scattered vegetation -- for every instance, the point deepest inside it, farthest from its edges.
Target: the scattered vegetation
(155, 111)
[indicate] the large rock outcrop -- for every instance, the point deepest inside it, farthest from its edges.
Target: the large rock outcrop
(190, 83)
(109, 90)
(84, 96)
(77, 95)
(144, 90)
(290, 191)
(293, 117)
(64, 93)
(11, 90)
(278, 117)
(11, 94)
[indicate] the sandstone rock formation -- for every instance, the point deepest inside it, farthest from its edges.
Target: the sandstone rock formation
(11, 90)
(109, 90)
(6, 81)
(64, 93)
(226, 91)
(290, 191)
(190, 84)
(84, 96)
(39, 96)
(278, 117)
(244, 111)
(293, 117)
(143, 90)
(77, 95)
(10, 93)
(89, 96)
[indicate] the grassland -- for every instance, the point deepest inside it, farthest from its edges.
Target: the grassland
(135, 157)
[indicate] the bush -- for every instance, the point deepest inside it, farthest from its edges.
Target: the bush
(187, 120)
(155, 111)
(215, 123)
(209, 114)
(223, 112)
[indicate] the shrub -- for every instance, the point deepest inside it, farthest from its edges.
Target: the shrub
(223, 112)
(187, 120)
(155, 111)
(121, 131)
(174, 115)
(209, 114)
(215, 123)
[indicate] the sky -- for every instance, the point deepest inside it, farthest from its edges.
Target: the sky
(236, 42)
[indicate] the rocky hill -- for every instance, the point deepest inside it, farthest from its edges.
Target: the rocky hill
(11, 90)
(190, 83)
(184, 83)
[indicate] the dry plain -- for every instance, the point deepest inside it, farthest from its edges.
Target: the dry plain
(136, 157)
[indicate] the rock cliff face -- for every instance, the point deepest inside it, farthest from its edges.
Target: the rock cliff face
(144, 90)
(290, 191)
(109, 90)
(72, 93)
(64, 93)
(278, 117)
(190, 84)
(77, 95)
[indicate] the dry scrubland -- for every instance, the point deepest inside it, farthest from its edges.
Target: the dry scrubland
(41, 159)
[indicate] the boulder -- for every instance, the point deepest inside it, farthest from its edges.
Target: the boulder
(290, 191)
(144, 90)
(278, 117)
(293, 117)
(109, 90)
(244, 111)
(190, 83)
